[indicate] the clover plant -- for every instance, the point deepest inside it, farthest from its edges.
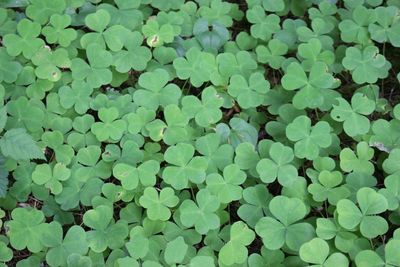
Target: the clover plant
(199, 133)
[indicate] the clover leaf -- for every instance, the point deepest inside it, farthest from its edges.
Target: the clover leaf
(329, 187)
(156, 34)
(134, 56)
(227, 187)
(49, 63)
(198, 66)
(257, 199)
(386, 26)
(174, 131)
(200, 214)
(310, 88)
(158, 205)
(175, 251)
(58, 31)
(9, 69)
(309, 139)
(353, 115)
(249, 93)
(130, 176)
(235, 251)
(51, 177)
(26, 42)
(367, 65)
(316, 251)
(157, 92)
(74, 242)
(278, 166)
(371, 258)
(76, 95)
(26, 228)
(284, 227)
(41, 11)
(96, 73)
(211, 36)
(391, 191)
(205, 112)
(355, 28)
(349, 161)
(110, 126)
(183, 166)
(264, 25)
(115, 36)
(104, 232)
(370, 204)
(273, 53)
(239, 132)
(391, 164)
(218, 155)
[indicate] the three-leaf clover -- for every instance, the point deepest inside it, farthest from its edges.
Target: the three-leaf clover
(41, 10)
(349, 161)
(316, 251)
(328, 187)
(130, 176)
(26, 228)
(183, 166)
(367, 65)
(50, 62)
(386, 27)
(309, 139)
(200, 214)
(278, 166)
(58, 31)
(273, 53)
(198, 66)
(235, 251)
(96, 73)
(115, 36)
(26, 42)
(134, 56)
(110, 126)
(51, 177)
(283, 227)
(353, 115)
(105, 233)
(157, 35)
(157, 92)
(309, 94)
(205, 111)
(158, 205)
(251, 93)
(370, 204)
(175, 129)
(227, 187)
(368, 258)
(263, 25)
(76, 95)
(74, 242)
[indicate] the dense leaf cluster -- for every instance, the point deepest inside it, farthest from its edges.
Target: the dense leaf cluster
(199, 133)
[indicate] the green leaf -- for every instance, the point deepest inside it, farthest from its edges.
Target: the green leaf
(366, 66)
(353, 116)
(157, 204)
(201, 215)
(371, 203)
(175, 251)
(19, 145)
(308, 139)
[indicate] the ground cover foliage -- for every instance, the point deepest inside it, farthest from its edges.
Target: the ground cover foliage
(199, 133)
